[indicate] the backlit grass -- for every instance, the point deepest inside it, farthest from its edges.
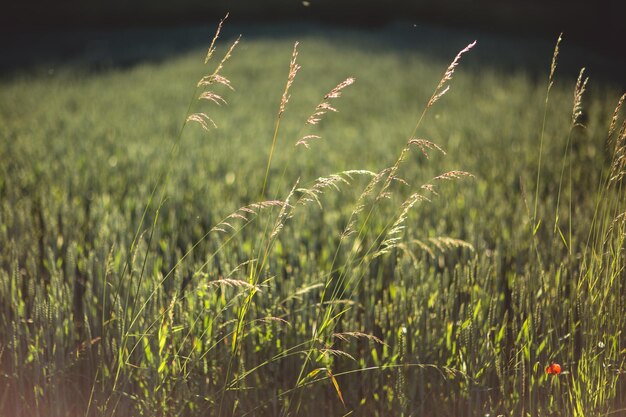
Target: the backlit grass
(127, 286)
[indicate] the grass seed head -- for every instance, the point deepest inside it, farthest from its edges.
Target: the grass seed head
(293, 70)
(217, 34)
(442, 88)
(577, 110)
(615, 117)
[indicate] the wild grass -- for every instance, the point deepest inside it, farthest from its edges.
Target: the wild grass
(180, 239)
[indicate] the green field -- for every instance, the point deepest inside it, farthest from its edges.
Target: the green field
(151, 267)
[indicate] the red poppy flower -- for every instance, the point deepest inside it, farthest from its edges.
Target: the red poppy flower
(553, 369)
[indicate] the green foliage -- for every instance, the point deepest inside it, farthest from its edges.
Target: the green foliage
(151, 268)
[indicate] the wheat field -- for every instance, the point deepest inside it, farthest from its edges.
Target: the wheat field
(324, 224)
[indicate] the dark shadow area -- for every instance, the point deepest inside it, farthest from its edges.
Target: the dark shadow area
(595, 24)
(104, 49)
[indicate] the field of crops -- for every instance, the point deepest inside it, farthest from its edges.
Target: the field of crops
(318, 229)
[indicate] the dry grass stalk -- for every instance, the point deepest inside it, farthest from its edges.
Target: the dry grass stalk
(285, 213)
(389, 174)
(210, 96)
(442, 88)
(618, 168)
(215, 78)
(453, 175)
(441, 244)
(577, 110)
(233, 283)
(245, 213)
(392, 174)
(430, 188)
(393, 238)
(405, 246)
(272, 319)
(424, 146)
(553, 64)
(325, 106)
(201, 118)
(217, 34)
(226, 56)
(323, 183)
(543, 126)
(616, 116)
(304, 141)
(444, 243)
(293, 70)
(360, 204)
(336, 353)
(346, 336)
